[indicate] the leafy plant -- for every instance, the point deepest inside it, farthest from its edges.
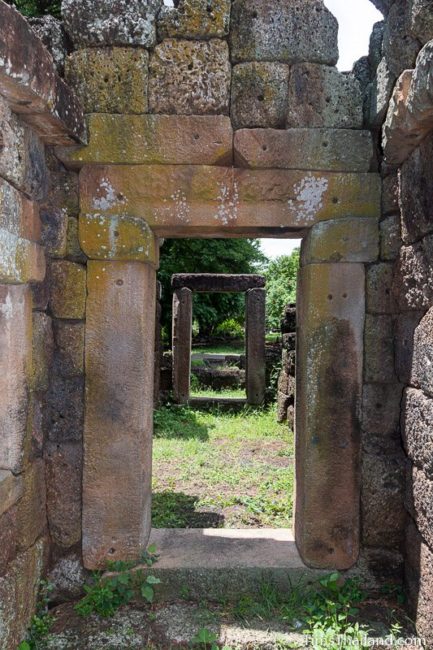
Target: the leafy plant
(41, 621)
(281, 282)
(33, 8)
(107, 593)
(230, 328)
(205, 639)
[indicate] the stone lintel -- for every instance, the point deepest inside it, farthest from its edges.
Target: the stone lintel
(182, 338)
(176, 199)
(118, 238)
(120, 330)
(217, 282)
(31, 85)
(154, 139)
(331, 312)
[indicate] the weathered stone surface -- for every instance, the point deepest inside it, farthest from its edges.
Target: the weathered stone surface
(69, 339)
(195, 19)
(362, 72)
(64, 411)
(390, 238)
(422, 360)
(67, 578)
(270, 31)
(110, 80)
(11, 489)
(54, 231)
(419, 582)
(379, 95)
(421, 20)
(111, 22)
(15, 367)
(183, 199)
(68, 290)
(18, 215)
(21, 261)
(319, 149)
(259, 95)
(380, 298)
(73, 249)
(118, 238)
(405, 327)
(328, 430)
(342, 240)
(181, 344)
(52, 34)
(416, 211)
(416, 419)
(155, 139)
(379, 349)
(119, 406)
(22, 160)
(381, 409)
(32, 87)
(8, 538)
(419, 500)
(321, 96)
(63, 192)
(390, 192)
(383, 512)
(375, 45)
(413, 279)
(399, 47)
(63, 467)
(43, 346)
(217, 282)
(31, 511)
(255, 307)
(190, 77)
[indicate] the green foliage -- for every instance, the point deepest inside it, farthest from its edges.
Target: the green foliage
(33, 8)
(281, 280)
(205, 639)
(209, 256)
(230, 328)
(107, 593)
(41, 621)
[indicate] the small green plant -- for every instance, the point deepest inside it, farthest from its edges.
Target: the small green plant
(107, 593)
(205, 639)
(41, 621)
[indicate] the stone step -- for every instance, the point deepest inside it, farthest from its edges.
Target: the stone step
(217, 564)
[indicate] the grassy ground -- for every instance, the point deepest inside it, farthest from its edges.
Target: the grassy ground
(226, 348)
(228, 393)
(221, 469)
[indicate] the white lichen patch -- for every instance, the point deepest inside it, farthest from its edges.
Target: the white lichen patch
(182, 210)
(106, 196)
(308, 201)
(228, 201)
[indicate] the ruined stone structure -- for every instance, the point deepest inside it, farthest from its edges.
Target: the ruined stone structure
(255, 299)
(287, 377)
(213, 119)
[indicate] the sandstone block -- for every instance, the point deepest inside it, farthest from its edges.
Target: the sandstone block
(419, 582)
(362, 72)
(8, 539)
(255, 306)
(31, 508)
(270, 31)
(342, 240)
(390, 238)
(11, 489)
(379, 350)
(68, 290)
(110, 80)
(118, 238)
(413, 277)
(181, 343)
(381, 409)
(15, 368)
(73, 249)
(390, 191)
(217, 282)
(419, 499)
(64, 411)
(259, 95)
(69, 340)
(111, 22)
(421, 20)
(190, 77)
(63, 192)
(64, 464)
(379, 95)
(52, 34)
(399, 46)
(380, 298)
(21, 261)
(155, 139)
(416, 213)
(422, 360)
(195, 19)
(375, 45)
(405, 327)
(320, 149)
(119, 406)
(54, 231)
(416, 419)
(289, 342)
(67, 577)
(383, 512)
(43, 347)
(331, 322)
(320, 96)
(18, 215)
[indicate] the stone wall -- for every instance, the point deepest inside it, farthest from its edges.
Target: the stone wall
(287, 377)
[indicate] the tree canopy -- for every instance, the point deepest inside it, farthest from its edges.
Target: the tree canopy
(33, 8)
(281, 281)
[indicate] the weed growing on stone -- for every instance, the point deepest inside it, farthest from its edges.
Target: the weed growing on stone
(41, 621)
(123, 583)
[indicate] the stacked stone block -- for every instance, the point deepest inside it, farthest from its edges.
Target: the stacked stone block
(286, 380)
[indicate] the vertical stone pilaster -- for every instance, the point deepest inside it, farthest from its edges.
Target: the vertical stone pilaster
(182, 338)
(120, 330)
(331, 314)
(255, 345)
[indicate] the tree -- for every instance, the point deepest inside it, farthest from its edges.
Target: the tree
(209, 256)
(31, 8)
(281, 280)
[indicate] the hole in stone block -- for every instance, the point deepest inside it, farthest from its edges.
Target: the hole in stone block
(335, 199)
(261, 98)
(119, 283)
(254, 14)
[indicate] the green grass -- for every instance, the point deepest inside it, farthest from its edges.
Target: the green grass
(227, 393)
(221, 469)
(226, 348)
